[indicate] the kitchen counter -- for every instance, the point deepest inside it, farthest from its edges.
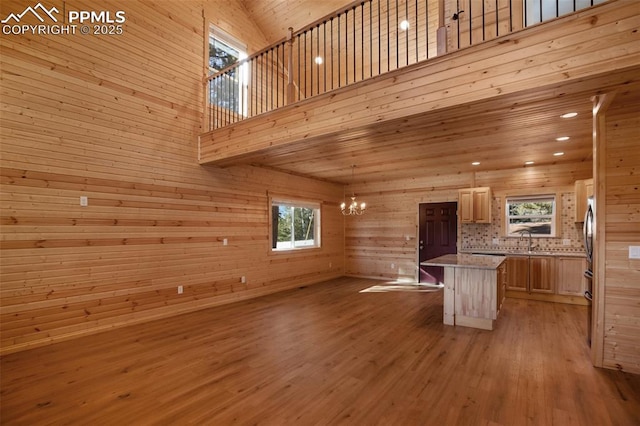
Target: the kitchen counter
(473, 293)
(463, 260)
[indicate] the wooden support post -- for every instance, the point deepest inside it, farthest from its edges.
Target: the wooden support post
(441, 34)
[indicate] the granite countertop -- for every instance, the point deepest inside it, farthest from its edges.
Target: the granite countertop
(462, 260)
(523, 252)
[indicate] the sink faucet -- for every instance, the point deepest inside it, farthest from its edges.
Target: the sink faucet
(522, 234)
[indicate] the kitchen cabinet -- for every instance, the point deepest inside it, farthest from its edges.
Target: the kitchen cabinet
(569, 276)
(541, 277)
(583, 190)
(532, 274)
(517, 272)
(475, 205)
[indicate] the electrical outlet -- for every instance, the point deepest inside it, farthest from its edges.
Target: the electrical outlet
(225, 242)
(243, 280)
(84, 201)
(634, 252)
(495, 241)
(180, 289)
(393, 266)
(566, 242)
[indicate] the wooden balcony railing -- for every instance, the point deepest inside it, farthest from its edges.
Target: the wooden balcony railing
(366, 39)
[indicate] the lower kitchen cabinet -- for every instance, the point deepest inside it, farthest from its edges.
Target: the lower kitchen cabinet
(550, 278)
(570, 278)
(531, 274)
(517, 273)
(541, 274)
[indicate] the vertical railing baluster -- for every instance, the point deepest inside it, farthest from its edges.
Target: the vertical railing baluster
(483, 32)
(406, 33)
(318, 53)
(362, 41)
(379, 41)
(370, 39)
(471, 24)
(311, 58)
(540, 3)
(511, 16)
(332, 74)
(426, 29)
(299, 73)
(305, 64)
(346, 48)
(324, 55)
(497, 19)
(416, 8)
(397, 37)
(458, 22)
(354, 44)
(388, 39)
(339, 55)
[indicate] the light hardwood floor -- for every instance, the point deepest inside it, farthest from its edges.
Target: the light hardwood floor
(325, 354)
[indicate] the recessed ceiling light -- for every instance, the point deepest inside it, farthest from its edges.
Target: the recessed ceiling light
(569, 115)
(404, 25)
(528, 163)
(563, 138)
(558, 154)
(318, 60)
(475, 163)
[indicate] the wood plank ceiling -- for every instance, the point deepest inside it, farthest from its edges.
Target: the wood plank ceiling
(500, 134)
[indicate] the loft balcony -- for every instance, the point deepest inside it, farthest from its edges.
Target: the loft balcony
(449, 87)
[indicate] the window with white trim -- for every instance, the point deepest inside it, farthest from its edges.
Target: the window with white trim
(224, 51)
(536, 11)
(535, 214)
(294, 225)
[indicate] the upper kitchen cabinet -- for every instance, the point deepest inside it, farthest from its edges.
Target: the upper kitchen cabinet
(475, 205)
(584, 190)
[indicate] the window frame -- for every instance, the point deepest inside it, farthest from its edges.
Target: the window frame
(295, 202)
(554, 198)
(531, 14)
(215, 33)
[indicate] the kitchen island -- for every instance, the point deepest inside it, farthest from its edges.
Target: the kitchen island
(474, 288)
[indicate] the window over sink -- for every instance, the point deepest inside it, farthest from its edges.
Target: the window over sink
(535, 214)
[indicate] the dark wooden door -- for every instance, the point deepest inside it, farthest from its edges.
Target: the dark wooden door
(438, 235)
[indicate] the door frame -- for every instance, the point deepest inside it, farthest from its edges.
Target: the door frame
(417, 233)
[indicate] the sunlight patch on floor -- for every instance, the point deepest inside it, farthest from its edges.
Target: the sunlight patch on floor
(383, 288)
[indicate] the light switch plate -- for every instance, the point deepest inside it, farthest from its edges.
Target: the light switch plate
(84, 201)
(495, 241)
(634, 252)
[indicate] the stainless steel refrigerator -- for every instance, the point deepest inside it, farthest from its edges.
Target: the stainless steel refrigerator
(588, 273)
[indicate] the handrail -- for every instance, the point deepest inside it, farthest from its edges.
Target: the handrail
(359, 41)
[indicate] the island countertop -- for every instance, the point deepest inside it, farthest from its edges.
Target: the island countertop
(466, 261)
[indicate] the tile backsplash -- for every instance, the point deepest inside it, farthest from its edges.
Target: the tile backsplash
(481, 236)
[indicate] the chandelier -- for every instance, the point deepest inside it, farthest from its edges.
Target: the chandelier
(353, 208)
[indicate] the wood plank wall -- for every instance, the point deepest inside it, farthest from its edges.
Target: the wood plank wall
(619, 213)
(116, 119)
(383, 242)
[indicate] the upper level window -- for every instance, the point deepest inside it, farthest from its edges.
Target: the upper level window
(295, 225)
(227, 92)
(535, 214)
(536, 11)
